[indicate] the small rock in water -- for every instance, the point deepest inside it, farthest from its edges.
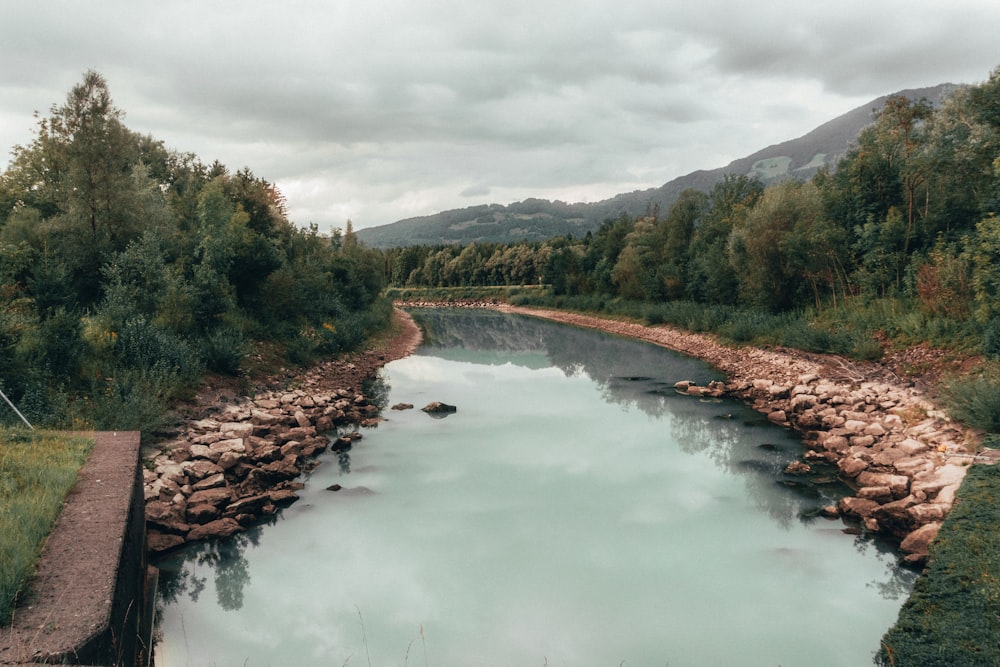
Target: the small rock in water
(403, 406)
(797, 468)
(439, 408)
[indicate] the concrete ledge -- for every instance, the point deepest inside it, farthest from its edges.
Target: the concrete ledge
(86, 603)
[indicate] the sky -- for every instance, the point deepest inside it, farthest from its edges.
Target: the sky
(381, 110)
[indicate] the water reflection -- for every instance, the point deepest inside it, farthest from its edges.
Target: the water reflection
(225, 558)
(639, 375)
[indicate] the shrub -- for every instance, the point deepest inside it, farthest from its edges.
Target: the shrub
(975, 400)
(133, 399)
(991, 339)
(223, 350)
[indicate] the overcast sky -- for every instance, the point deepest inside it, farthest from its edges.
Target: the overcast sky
(378, 110)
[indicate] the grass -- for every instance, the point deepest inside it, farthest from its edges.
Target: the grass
(953, 614)
(37, 470)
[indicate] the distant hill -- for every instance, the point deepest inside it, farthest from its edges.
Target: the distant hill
(539, 219)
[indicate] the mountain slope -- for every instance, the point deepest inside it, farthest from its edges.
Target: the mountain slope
(539, 219)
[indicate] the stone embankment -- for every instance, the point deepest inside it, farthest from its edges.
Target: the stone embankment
(227, 472)
(904, 458)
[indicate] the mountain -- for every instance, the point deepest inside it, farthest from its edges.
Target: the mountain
(539, 219)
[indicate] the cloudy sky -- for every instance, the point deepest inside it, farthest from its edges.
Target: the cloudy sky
(378, 110)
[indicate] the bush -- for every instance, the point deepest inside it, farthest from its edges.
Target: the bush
(223, 350)
(975, 400)
(133, 399)
(991, 339)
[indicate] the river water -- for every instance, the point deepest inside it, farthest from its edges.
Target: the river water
(574, 511)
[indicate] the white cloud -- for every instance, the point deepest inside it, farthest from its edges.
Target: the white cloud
(387, 109)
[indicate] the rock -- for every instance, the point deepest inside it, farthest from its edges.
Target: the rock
(854, 426)
(301, 419)
(286, 468)
(159, 543)
(858, 507)
(299, 433)
(681, 387)
(776, 391)
(283, 496)
(875, 429)
(210, 482)
(204, 452)
(249, 505)
(438, 408)
(236, 429)
(777, 416)
(797, 468)
(802, 401)
(202, 513)
(166, 516)
(862, 440)
(215, 529)
(928, 512)
(940, 483)
(880, 494)
(852, 466)
(201, 469)
(215, 497)
(917, 542)
(898, 484)
(229, 459)
(229, 445)
(830, 512)
(836, 443)
(894, 518)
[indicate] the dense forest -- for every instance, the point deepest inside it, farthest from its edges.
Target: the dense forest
(903, 233)
(127, 270)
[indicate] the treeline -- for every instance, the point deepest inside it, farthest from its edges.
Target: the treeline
(127, 269)
(909, 215)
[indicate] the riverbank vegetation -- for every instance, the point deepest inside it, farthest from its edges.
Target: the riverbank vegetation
(952, 610)
(127, 270)
(37, 470)
(898, 247)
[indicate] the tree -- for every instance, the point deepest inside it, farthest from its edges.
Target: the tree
(769, 265)
(710, 275)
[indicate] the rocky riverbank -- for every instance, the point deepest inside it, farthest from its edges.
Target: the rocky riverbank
(902, 455)
(239, 459)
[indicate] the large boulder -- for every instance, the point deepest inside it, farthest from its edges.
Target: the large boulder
(215, 529)
(915, 543)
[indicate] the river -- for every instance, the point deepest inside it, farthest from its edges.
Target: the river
(574, 510)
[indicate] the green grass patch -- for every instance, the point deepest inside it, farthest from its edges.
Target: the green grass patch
(37, 470)
(953, 614)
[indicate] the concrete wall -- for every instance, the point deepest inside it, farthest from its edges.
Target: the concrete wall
(87, 604)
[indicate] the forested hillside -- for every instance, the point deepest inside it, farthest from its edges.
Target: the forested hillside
(540, 219)
(903, 237)
(127, 269)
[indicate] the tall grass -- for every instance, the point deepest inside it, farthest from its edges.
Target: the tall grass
(951, 616)
(975, 399)
(37, 470)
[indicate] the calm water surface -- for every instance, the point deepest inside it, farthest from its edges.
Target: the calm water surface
(574, 511)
